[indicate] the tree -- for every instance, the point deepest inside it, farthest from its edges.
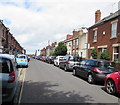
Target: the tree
(52, 54)
(94, 53)
(104, 55)
(61, 49)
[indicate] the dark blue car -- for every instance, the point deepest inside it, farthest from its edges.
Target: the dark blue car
(94, 70)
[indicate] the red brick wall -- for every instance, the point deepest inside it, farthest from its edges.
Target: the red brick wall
(103, 39)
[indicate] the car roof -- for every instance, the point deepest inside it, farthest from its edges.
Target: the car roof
(8, 56)
(99, 60)
(21, 55)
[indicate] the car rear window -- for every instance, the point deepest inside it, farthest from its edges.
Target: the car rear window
(23, 57)
(71, 58)
(5, 65)
(62, 58)
(107, 64)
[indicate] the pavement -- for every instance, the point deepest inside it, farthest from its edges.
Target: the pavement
(45, 83)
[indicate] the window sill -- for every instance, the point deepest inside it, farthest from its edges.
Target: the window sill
(113, 37)
(94, 41)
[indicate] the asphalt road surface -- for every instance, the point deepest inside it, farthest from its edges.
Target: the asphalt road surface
(45, 83)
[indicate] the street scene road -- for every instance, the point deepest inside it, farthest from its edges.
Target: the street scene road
(45, 83)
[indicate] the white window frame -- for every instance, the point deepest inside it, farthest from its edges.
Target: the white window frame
(115, 53)
(95, 35)
(114, 30)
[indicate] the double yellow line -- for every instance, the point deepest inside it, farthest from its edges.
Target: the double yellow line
(19, 100)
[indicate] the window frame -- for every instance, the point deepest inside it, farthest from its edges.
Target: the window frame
(113, 30)
(95, 35)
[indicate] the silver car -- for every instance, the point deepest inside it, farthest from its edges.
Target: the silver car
(68, 63)
(8, 77)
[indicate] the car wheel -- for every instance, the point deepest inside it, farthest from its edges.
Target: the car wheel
(59, 66)
(90, 79)
(110, 87)
(65, 68)
(74, 72)
(27, 66)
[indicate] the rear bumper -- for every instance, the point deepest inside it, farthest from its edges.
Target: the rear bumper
(22, 64)
(70, 68)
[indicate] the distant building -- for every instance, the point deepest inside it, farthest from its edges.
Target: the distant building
(48, 50)
(76, 43)
(43, 52)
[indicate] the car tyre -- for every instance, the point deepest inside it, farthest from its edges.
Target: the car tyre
(74, 72)
(65, 68)
(91, 79)
(110, 87)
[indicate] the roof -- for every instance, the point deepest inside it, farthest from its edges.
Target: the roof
(7, 56)
(69, 36)
(108, 18)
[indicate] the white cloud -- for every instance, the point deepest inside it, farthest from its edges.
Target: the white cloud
(45, 20)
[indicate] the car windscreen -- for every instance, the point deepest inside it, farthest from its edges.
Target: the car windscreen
(107, 65)
(5, 65)
(77, 59)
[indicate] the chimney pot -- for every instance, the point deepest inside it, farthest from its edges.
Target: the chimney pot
(97, 16)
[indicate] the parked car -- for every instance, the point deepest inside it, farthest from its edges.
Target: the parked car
(68, 63)
(94, 70)
(58, 59)
(8, 77)
(28, 58)
(112, 83)
(38, 57)
(51, 59)
(46, 59)
(43, 58)
(22, 60)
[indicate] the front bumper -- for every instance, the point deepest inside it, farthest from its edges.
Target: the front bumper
(100, 77)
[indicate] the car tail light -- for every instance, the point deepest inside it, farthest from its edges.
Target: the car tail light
(68, 62)
(12, 77)
(97, 70)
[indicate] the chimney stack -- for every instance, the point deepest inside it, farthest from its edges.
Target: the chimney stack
(97, 16)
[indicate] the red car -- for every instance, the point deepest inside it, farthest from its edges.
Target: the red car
(112, 83)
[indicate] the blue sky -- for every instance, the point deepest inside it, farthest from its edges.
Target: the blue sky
(34, 22)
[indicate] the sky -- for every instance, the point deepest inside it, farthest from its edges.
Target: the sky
(34, 23)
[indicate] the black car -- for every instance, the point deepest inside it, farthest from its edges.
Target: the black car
(94, 70)
(68, 63)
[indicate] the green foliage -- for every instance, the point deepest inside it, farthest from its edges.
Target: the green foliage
(94, 53)
(61, 49)
(104, 55)
(117, 60)
(52, 54)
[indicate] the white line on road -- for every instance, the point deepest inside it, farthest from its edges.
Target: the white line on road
(21, 88)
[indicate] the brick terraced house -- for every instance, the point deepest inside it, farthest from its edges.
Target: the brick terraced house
(8, 43)
(105, 35)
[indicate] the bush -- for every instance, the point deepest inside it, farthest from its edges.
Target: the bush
(104, 55)
(94, 53)
(117, 60)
